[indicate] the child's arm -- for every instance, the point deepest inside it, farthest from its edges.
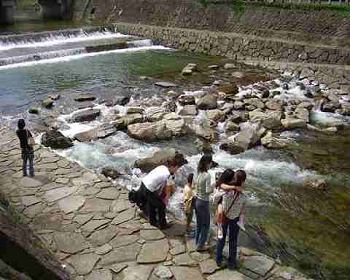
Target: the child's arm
(226, 187)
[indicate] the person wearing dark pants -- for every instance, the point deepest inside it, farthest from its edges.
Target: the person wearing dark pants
(27, 150)
(233, 204)
(203, 222)
(233, 228)
(152, 188)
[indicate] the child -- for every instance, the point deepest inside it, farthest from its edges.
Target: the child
(189, 201)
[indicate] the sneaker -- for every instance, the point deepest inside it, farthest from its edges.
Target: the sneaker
(220, 233)
(202, 248)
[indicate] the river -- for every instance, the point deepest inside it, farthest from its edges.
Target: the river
(306, 228)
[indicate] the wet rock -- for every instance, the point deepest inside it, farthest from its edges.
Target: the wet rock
(271, 142)
(229, 66)
(56, 140)
(33, 110)
(302, 113)
(189, 69)
(231, 148)
(47, 103)
(204, 132)
(165, 84)
(228, 89)
(110, 172)
(86, 115)
(274, 104)
(330, 107)
(158, 158)
(213, 67)
(270, 120)
(102, 131)
(124, 121)
(134, 110)
(85, 97)
(186, 100)
(54, 96)
(118, 100)
(207, 102)
(316, 183)
(291, 122)
(188, 110)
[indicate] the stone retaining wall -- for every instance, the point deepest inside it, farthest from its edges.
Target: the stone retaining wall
(278, 54)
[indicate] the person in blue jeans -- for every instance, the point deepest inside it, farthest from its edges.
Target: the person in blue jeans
(233, 204)
(204, 188)
(27, 151)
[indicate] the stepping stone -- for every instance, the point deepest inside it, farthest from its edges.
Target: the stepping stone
(109, 193)
(122, 254)
(104, 249)
(258, 264)
(124, 216)
(83, 264)
(30, 182)
(163, 272)
(83, 218)
(30, 200)
(178, 247)
(186, 273)
(101, 274)
(200, 256)
(70, 242)
(208, 266)
(71, 203)
(123, 240)
(152, 234)
(95, 205)
(116, 268)
(120, 205)
(154, 251)
(34, 210)
(59, 193)
(139, 272)
(102, 236)
(94, 224)
(165, 84)
(227, 275)
(184, 260)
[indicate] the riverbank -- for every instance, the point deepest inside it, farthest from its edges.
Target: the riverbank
(93, 230)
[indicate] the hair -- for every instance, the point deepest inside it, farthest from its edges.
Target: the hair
(178, 160)
(190, 178)
(21, 123)
(226, 177)
(204, 162)
(239, 177)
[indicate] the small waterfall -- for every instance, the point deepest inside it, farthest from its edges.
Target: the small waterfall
(318, 105)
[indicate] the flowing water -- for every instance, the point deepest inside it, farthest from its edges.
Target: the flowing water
(307, 228)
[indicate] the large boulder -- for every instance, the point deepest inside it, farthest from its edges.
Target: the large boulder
(270, 120)
(188, 110)
(85, 97)
(186, 99)
(56, 140)
(271, 142)
(110, 172)
(123, 122)
(86, 115)
(158, 158)
(149, 132)
(102, 131)
(207, 102)
(154, 114)
(291, 122)
(204, 132)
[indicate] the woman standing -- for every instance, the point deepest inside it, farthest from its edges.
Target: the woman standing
(204, 188)
(233, 204)
(25, 137)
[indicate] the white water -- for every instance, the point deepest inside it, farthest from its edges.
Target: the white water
(80, 56)
(61, 39)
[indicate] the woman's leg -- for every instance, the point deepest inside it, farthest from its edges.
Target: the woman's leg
(233, 238)
(31, 163)
(24, 164)
(198, 220)
(205, 219)
(220, 245)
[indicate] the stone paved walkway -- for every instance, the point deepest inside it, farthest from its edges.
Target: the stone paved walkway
(91, 227)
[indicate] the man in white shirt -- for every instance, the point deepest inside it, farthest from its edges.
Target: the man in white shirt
(152, 188)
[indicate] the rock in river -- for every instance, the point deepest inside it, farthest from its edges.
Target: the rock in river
(86, 115)
(56, 140)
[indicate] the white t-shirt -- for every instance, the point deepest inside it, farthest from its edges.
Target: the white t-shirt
(156, 179)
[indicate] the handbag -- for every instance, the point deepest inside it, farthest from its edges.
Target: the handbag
(30, 140)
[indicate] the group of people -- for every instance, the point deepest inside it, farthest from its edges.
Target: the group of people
(201, 196)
